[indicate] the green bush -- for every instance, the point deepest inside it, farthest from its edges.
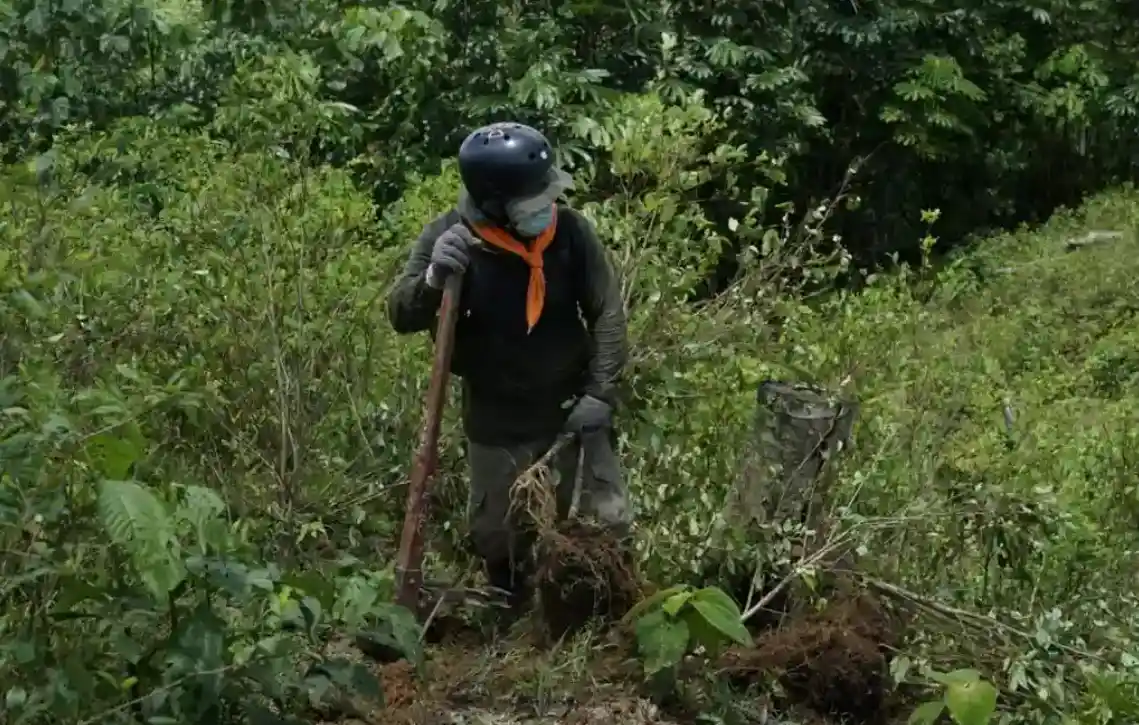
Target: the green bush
(993, 112)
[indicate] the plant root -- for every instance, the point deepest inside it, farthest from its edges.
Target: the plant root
(585, 574)
(834, 661)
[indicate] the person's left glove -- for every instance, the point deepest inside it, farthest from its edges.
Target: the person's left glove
(589, 413)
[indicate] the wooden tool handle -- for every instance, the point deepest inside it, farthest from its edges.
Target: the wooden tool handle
(409, 563)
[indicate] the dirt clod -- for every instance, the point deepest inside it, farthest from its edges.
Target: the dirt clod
(584, 574)
(400, 685)
(407, 700)
(834, 661)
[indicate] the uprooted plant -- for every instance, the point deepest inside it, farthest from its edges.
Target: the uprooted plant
(583, 571)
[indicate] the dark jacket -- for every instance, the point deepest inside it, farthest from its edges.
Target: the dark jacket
(514, 383)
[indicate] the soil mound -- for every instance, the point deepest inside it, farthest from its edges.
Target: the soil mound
(834, 661)
(584, 574)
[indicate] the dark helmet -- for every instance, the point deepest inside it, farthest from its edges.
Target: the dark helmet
(504, 162)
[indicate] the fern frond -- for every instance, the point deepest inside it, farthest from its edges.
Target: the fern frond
(137, 520)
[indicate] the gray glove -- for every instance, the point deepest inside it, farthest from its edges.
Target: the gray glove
(589, 413)
(451, 254)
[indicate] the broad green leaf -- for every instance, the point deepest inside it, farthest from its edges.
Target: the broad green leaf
(132, 515)
(356, 600)
(268, 675)
(675, 603)
(396, 627)
(316, 687)
(354, 677)
(312, 611)
(971, 703)
(161, 574)
(112, 456)
(702, 634)
(72, 591)
(926, 713)
(126, 647)
(661, 641)
(200, 651)
(202, 639)
(314, 584)
(719, 611)
(15, 698)
(651, 601)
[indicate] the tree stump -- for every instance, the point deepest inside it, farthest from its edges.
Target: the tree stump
(777, 513)
(796, 431)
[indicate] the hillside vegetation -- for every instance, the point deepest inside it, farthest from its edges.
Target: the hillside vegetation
(206, 421)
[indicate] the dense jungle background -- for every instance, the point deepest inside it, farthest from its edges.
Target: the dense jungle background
(206, 422)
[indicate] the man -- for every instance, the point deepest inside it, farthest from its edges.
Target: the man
(539, 343)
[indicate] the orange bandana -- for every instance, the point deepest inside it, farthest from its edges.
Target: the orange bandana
(536, 290)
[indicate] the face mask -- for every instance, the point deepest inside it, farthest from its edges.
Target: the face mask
(535, 224)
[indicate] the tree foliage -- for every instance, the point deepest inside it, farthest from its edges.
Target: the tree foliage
(993, 112)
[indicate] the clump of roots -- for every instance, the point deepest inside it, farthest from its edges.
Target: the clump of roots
(533, 499)
(834, 661)
(584, 572)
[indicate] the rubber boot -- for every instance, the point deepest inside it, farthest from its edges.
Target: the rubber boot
(516, 580)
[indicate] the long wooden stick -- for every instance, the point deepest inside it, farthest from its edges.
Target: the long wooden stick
(409, 564)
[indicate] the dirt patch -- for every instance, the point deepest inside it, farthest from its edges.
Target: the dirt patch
(454, 630)
(515, 681)
(626, 710)
(403, 696)
(584, 574)
(834, 661)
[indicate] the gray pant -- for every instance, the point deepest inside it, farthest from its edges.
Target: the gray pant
(493, 471)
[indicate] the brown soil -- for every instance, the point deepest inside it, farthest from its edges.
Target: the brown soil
(835, 661)
(584, 575)
(832, 666)
(404, 699)
(495, 685)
